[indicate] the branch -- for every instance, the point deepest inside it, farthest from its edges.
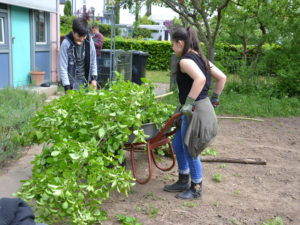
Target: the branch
(204, 17)
(219, 19)
(256, 161)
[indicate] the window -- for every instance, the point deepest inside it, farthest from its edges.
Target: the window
(40, 27)
(1, 31)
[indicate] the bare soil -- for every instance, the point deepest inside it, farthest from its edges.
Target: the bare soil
(247, 194)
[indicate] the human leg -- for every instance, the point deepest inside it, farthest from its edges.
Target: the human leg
(195, 167)
(182, 183)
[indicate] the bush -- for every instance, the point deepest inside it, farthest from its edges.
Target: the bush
(17, 107)
(160, 51)
(66, 24)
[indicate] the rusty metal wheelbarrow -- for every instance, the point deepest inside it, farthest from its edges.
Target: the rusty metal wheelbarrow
(158, 140)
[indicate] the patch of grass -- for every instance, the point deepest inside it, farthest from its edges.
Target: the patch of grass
(158, 76)
(17, 107)
(150, 210)
(189, 204)
(217, 177)
(127, 220)
(253, 104)
(277, 221)
(210, 151)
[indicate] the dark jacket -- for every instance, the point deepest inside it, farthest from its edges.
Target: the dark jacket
(67, 63)
(14, 211)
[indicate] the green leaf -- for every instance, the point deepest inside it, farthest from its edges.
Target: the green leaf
(101, 132)
(83, 131)
(39, 135)
(74, 156)
(65, 205)
(55, 153)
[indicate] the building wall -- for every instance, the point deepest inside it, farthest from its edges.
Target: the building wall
(54, 49)
(20, 22)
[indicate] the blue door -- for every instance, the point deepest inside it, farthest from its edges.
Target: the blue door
(4, 51)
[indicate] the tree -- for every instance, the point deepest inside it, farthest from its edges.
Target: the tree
(204, 15)
(67, 9)
(254, 22)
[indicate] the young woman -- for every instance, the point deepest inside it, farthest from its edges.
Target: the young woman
(199, 123)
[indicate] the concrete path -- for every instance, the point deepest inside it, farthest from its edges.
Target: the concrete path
(11, 175)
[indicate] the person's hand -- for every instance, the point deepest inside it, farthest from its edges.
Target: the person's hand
(215, 99)
(187, 107)
(94, 84)
(67, 87)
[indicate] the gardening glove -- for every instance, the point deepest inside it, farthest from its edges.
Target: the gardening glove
(67, 87)
(187, 107)
(215, 99)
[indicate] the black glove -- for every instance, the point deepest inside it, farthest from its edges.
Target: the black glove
(67, 87)
(215, 99)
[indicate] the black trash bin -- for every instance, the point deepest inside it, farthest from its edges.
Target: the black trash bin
(139, 62)
(105, 64)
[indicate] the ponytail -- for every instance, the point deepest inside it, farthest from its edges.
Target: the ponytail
(190, 38)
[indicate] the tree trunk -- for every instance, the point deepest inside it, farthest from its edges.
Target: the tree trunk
(245, 49)
(211, 53)
(148, 4)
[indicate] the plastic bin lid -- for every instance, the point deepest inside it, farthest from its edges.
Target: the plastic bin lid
(136, 52)
(108, 50)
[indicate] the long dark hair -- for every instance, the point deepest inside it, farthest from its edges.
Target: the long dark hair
(191, 41)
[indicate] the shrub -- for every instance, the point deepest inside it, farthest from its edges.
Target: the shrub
(17, 107)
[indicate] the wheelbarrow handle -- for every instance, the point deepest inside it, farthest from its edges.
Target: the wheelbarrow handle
(167, 125)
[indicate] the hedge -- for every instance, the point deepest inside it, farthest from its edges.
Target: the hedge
(226, 59)
(159, 51)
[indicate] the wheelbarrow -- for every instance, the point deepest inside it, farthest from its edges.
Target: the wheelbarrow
(160, 139)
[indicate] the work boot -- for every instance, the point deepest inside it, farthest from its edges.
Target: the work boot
(181, 185)
(195, 192)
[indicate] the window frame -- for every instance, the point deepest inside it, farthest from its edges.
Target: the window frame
(2, 31)
(45, 27)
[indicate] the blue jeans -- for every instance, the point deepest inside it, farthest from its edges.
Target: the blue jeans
(186, 163)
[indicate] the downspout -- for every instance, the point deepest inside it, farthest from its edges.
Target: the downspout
(57, 40)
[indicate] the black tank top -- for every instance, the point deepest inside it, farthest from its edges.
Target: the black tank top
(185, 82)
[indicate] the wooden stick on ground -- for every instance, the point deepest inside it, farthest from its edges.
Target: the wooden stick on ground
(164, 95)
(239, 118)
(256, 161)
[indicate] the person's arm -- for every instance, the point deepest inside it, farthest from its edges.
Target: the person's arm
(93, 73)
(220, 78)
(189, 67)
(63, 64)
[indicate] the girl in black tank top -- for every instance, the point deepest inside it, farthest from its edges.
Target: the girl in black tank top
(199, 127)
(185, 82)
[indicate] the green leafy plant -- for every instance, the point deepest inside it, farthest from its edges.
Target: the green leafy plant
(150, 210)
(217, 177)
(210, 151)
(223, 165)
(127, 220)
(277, 221)
(189, 204)
(84, 135)
(17, 107)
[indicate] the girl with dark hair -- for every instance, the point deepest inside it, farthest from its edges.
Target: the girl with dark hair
(198, 121)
